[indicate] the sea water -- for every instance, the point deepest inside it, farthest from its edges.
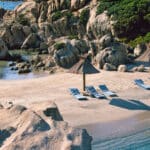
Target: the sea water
(9, 5)
(127, 134)
(7, 74)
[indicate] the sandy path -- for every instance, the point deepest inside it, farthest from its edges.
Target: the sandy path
(54, 87)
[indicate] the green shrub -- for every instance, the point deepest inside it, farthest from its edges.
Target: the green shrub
(57, 15)
(133, 16)
(58, 46)
(140, 40)
(84, 16)
(23, 20)
(73, 37)
(68, 14)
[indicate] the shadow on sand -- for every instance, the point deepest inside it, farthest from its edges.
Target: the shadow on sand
(129, 104)
(145, 63)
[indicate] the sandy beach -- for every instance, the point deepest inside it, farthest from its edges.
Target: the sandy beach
(130, 101)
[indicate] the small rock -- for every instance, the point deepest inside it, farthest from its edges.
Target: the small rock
(122, 68)
(40, 64)
(139, 49)
(109, 67)
(1, 106)
(12, 64)
(44, 51)
(134, 69)
(141, 68)
(26, 70)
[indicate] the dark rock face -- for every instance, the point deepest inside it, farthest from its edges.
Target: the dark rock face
(13, 36)
(2, 12)
(4, 55)
(32, 41)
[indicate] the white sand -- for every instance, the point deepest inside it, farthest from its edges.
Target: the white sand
(55, 88)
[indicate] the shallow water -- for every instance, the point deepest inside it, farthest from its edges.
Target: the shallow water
(128, 134)
(7, 74)
(9, 5)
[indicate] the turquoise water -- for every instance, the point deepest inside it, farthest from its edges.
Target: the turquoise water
(127, 134)
(7, 74)
(136, 141)
(9, 5)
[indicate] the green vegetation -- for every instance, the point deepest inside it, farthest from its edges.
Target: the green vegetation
(84, 16)
(57, 15)
(133, 17)
(58, 46)
(73, 37)
(23, 20)
(140, 40)
(68, 14)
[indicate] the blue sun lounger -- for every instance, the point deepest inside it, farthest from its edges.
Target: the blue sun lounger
(92, 91)
(141, 84)
(106, 91)
(75, 92)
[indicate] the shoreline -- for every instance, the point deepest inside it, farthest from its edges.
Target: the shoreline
(118, 133)
(119, 128)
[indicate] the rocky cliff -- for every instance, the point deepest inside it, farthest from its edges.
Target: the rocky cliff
(66, 29)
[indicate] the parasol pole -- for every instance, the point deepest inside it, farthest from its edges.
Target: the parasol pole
(84, 82)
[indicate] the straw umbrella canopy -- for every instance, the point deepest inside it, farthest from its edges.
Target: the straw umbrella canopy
(83, 66)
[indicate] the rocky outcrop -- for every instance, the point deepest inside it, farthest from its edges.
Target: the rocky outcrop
(77, 4)
(4, 55)
(32, 41)
(67, 52)
(114, 55)
(40, 127)
(98, 26)
(13, 36)
(29, 10)
(64, 29)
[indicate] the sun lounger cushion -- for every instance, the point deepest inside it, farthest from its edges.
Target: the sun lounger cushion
(141, 84)
(92, 91)
(106, 91)
(75, 92)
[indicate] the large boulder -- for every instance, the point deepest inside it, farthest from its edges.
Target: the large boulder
(27, 30)
(36, 128)
(115, 55)
(7, 37)
(29, 10)
(67, 52)
(13, 36)
(18, 35)
(98, 26)
(32, 41)
(4, 55)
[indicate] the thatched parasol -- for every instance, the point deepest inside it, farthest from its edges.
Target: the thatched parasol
(83, 66)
